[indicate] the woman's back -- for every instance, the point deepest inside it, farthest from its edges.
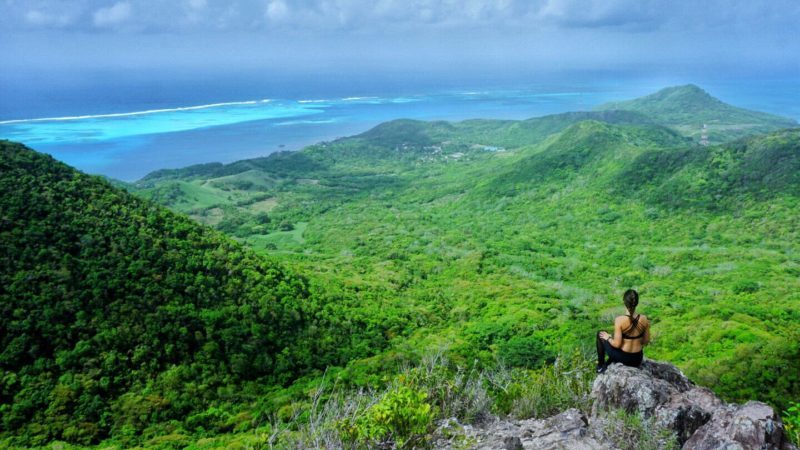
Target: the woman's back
(631, 333)
(635, 332)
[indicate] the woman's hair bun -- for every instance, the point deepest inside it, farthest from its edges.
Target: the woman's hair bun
(631, 299)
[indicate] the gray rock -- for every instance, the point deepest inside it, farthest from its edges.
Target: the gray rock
(655, 390)
(667, 372)
(658, 391)
(512, 443)
(566, 431)
(753, 425)
(699, 418)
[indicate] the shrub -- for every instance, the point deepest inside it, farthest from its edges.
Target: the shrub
(746, 287)
(454, 391)
(402, 415)
(791, 422)
(524, 351)
(263, 218)
(212, 419)
(543, 392)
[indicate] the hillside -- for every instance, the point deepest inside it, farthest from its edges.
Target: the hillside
(758, 167)
(588, 148)
(517, 247)
(399, 140)
(120, 318)
(688, 107)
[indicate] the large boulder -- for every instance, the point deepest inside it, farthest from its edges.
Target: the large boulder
(753, 425)
(658, 390)
(699, 418)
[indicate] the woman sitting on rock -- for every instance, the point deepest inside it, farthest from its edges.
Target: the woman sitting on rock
(631, 334)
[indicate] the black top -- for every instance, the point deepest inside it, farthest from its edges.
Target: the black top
(634, 327)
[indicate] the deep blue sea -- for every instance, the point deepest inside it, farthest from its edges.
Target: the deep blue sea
(126, 129)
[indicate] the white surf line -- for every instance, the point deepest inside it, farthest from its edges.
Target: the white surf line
(135, 113)
(342, 99)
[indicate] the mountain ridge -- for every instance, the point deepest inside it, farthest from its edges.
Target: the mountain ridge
(660, 108)
(763, 166)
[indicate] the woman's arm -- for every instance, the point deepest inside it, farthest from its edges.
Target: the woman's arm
(646, 338)
(616, 339)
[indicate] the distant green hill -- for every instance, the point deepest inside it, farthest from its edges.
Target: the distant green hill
(401, 139)
(117, 315)
(255, 197)
(588, 148)
(688, 107)
(758, 167)
(683, 108)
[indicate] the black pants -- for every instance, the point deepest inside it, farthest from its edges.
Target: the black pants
(616, 355)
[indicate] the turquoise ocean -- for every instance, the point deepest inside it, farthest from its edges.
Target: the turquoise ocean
(127, 135)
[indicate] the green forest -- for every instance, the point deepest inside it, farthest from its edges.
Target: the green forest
(212, 306)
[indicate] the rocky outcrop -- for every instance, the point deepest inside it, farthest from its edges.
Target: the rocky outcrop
(660, 393)
(655, 390)
(752, 425)
(566, 431)
(699, 418)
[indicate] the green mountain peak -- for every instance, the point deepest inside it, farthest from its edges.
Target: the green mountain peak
(694, 112)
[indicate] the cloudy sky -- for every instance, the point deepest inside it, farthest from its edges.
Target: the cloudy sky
(404, 36)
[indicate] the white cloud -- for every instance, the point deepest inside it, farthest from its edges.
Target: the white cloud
(503, 34)
(195, 12)
(277, 10)
(41, 19)
(197, 4)
(113, 15)
(631, 14)
(383, 17)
